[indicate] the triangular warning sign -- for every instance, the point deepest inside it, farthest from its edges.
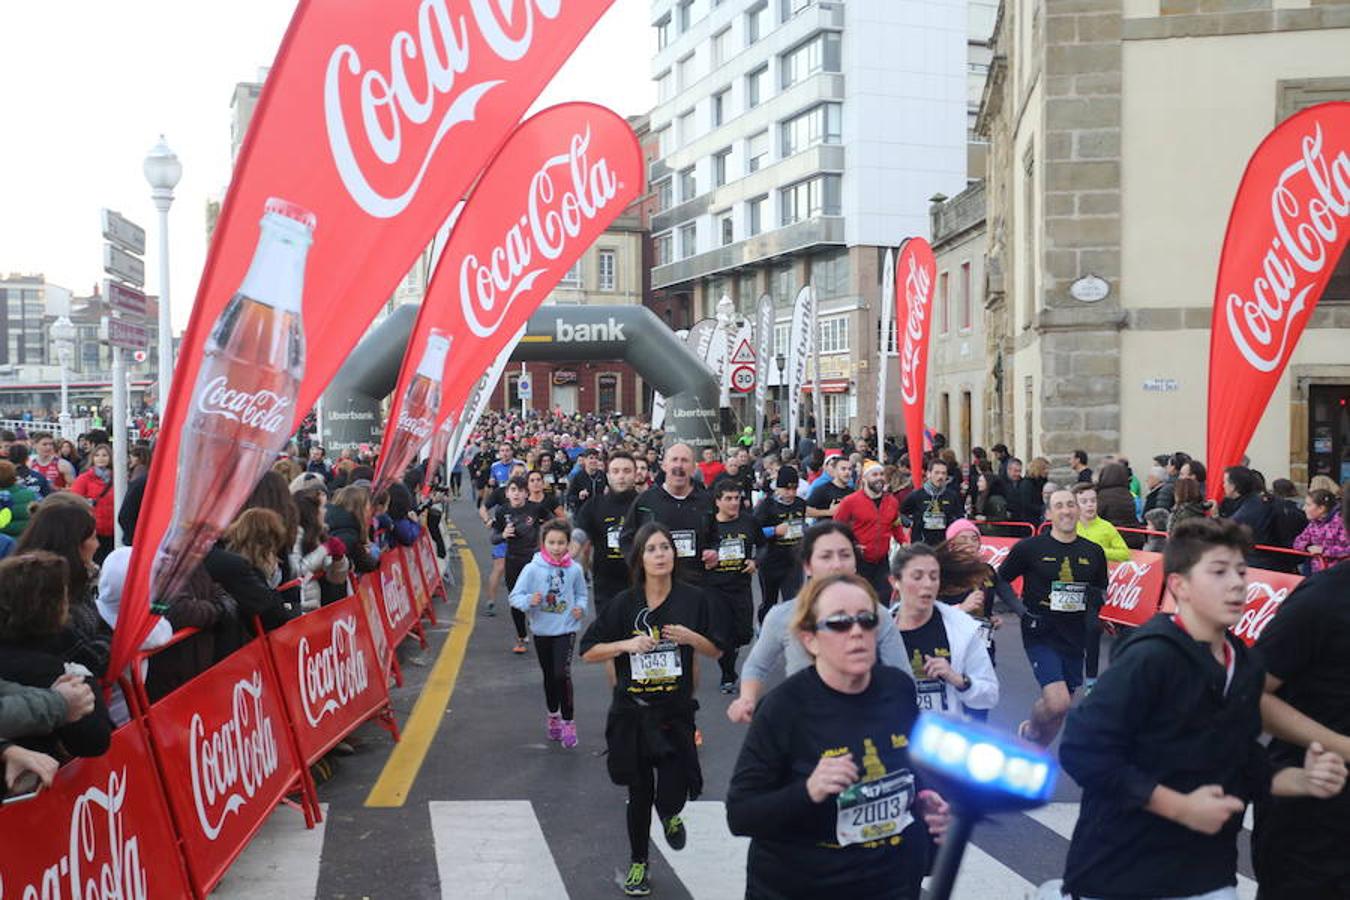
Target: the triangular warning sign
(743, 354)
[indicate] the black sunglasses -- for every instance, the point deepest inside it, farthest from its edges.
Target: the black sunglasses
(842, 623)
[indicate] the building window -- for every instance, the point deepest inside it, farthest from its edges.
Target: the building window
(665, 86)
(819, 196)
(665, 195)
(719, 107)
(944, 304)
(756, 22)
(783, 285)
(605, 270)
(665, 141)
(837, 410)
(834, 334)
(821, 124)
(830, 274)
(782, 337)
(819, 54)
(572, 277)
(967, 302)
(663, 249)
(790, 8)
(890, 336)
(756, 152)
(513, 391)
(607, 393)
(756, 87)
(684, 72)
(745, 292)
(683, 11)
(663, 34)
(725, 228)
(755, 214)
(684, 127)
(720, 44)
(688, 240)
(688, 185)
(720, 166)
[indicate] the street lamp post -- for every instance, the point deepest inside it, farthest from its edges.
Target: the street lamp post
(162, 169)
(781, 360)
(63, 336)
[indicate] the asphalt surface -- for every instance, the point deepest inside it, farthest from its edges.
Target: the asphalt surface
(491, 746)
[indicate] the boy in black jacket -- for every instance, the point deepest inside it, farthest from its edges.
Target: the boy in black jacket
(1165, 748)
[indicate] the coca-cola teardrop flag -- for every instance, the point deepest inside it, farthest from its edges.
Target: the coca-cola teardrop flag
(565, 174)
(915, 274)
(375, 119)
(1288, 229)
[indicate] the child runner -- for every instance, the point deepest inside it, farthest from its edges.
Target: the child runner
(1167, 747)
(728, 580)
(551, 592)
(516, 525)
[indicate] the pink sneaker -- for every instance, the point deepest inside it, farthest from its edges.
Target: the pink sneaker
(555, 727)
(569, 734)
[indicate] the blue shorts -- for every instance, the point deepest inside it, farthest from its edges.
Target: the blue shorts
(499, 551)
(1051, 663)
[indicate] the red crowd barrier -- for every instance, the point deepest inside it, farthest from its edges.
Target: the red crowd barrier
(188, 782)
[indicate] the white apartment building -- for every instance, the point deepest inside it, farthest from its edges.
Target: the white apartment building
(798, 139)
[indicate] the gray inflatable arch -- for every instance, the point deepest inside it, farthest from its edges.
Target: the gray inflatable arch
(350, 411)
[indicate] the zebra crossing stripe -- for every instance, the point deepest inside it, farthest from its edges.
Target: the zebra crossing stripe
(491, 849)
(282, 860)
(982, 877)
(712, 864)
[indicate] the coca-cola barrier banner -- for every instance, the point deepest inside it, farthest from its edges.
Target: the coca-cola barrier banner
(395, 593)
(225, 747)
(101, 830)
(1266, 592)
(1134, 589)
(374, 120)
(330, 674)
(559, 181)
(994, 550)
(1289, 226)
(915, 276)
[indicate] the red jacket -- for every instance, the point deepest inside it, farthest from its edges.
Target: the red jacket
(88, 484)
(873, 524)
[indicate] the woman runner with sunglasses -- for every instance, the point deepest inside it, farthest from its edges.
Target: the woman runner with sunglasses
(651, 632)
(823, 786)
(827, 548)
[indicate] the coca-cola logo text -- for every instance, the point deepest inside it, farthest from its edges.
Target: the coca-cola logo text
(417, 426)
(918, 283)
(330, 678)
(397, 605)
(232, 763)
(1309, 208)
(554, 216)
(421, 107)
(101, 862)
(261, 410)
(1263, 602)
(1126, 587)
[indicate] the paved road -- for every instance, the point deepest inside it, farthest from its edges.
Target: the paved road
(498, 811)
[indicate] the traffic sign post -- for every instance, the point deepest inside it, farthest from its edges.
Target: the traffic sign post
(524, 390)
(125, 299)
(125, 330)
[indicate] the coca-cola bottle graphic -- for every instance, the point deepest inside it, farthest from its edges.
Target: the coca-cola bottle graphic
(417, 413)
(440, 443)
(242, 410)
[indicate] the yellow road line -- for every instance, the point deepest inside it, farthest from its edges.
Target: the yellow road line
(400, 771)
(537, 339)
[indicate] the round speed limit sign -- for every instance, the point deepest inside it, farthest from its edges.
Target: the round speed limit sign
(743, 379)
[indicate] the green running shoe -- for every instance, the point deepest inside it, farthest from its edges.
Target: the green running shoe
(675, 833)
(636, 884)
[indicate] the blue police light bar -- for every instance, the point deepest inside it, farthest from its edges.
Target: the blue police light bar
(983, 760)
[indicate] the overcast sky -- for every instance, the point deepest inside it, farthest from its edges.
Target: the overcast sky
(88, 86)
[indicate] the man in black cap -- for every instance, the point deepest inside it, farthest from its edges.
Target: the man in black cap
(782, 516)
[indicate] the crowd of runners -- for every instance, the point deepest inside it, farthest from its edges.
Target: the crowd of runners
(875, 602)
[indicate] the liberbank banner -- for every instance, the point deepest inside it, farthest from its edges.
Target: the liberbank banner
(375, 119)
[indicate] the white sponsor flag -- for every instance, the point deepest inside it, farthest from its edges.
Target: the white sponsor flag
(799, 349)
(887, 312)
(764, 351)
(478, 400)
(817, 395)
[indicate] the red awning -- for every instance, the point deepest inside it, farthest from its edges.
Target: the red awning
(830, 386)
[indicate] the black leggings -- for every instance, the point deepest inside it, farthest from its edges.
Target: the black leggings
(456, 479)
(555, 659)
(434, 526)
(661, 783)
(513, 569)
(1094, 643)
(775, 578)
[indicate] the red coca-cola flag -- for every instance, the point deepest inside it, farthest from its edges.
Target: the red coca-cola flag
(556, 185)
(1289, 226)
(915, 275)
(375, 119)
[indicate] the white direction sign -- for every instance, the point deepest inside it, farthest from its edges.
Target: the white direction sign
(124, 299)
(123, 232)
(523, 389)
(121, 264)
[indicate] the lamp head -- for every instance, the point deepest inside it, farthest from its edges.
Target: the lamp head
(983, 769)
(162, 168)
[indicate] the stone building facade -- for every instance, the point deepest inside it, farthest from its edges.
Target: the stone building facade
(1118, 132)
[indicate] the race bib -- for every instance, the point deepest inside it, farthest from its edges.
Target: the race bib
(731, 549)
(612, 538)
(685, 543)
(794, 531)
(932, 694)
(659, 664)
(875, 810)
(987, 634)
(1068, 596)
(934, 522)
